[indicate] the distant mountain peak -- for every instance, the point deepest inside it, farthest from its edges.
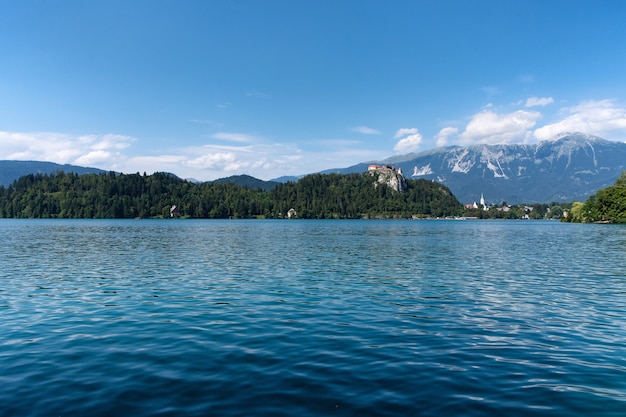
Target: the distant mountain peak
(576, 136)
(569, 167)
(11, 170)
(248, 181)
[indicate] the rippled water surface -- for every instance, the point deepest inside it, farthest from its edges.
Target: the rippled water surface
(309, 318)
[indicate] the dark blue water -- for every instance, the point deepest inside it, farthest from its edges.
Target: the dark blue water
(308, 318)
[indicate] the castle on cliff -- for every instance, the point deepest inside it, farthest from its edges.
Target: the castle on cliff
(374, 167)
(388, 175)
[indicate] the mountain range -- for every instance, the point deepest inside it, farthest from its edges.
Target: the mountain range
(570, 167)
(12, 170)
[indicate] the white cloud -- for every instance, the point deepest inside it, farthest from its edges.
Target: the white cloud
(158, 160)
(245, 154)
(63, 148)
(235, 137)
(242, 153)
(365, 130)
(538, 101)
(492, 128)
(117, 142)
(265, 161)
(405, 131)
(217, 160)
(444, 134)
(596, 117)
(410, 142)
(261, 163)
(93, 157)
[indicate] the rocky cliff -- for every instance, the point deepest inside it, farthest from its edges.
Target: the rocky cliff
(388, 176)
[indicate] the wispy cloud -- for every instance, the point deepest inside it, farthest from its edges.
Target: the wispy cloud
(235, 137)
(106, 142)
(217, 161)
(258, 94)
(202, 122)
(538, 101)
(239, 154)
(228, 153)
(365, 130)
(260, 160)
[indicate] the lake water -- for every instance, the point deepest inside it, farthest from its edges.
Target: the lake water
(312, 318)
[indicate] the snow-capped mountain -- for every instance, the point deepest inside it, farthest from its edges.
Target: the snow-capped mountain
(570, 167)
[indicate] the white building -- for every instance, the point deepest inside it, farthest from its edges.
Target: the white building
(482, 202)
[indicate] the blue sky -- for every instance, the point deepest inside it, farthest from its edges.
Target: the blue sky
(209, 89)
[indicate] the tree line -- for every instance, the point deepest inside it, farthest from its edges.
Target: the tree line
(608, 205)
(316, 196)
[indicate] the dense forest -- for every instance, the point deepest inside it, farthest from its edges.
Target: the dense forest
(316, 196)
(608, 205)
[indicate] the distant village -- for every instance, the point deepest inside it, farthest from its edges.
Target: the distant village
(526, 212)
(505, 208)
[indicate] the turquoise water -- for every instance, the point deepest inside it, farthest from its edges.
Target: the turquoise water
(309, 318)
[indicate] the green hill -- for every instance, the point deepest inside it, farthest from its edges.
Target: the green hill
(317, 196)
(248, 181)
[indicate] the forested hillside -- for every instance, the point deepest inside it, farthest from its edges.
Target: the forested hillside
(317, 196)
(571, 166)
(12, 170)
(608, 205)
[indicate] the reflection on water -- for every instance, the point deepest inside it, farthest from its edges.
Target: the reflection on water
(312, 318)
